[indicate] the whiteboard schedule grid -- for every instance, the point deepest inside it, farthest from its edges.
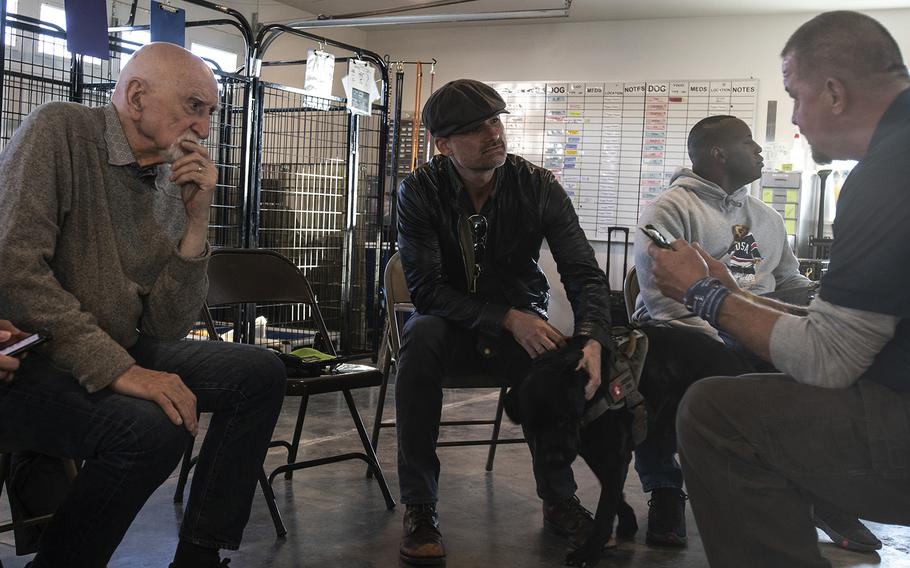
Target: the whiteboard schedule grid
(615, 146)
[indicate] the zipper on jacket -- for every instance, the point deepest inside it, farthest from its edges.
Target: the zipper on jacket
(466, 242)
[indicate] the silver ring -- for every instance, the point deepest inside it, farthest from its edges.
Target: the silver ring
(198, 168)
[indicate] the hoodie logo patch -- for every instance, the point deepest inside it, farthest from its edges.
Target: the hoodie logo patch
(744, 255)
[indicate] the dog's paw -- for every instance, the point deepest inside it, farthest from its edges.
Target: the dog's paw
(583, 558)
(627, 524)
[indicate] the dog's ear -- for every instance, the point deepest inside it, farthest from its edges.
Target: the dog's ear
(512, 405)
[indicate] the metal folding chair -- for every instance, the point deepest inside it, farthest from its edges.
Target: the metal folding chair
(247, 277)
(398, 307)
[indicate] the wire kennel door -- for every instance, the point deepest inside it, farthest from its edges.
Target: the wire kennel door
(318, 205)
(37, 69)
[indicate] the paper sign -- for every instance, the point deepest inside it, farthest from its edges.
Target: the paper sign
(360, 87)
(86, 27)
(168, 24)
(320, 71)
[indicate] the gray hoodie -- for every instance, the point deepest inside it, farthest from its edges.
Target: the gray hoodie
(739, 230)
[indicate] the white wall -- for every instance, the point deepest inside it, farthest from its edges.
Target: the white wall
(692, 48)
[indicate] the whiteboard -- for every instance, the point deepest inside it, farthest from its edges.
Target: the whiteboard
(615, 146)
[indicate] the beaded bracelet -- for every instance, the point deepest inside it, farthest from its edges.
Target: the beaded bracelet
(705, 297)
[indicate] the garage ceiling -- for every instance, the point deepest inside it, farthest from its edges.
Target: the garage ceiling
(600, 10)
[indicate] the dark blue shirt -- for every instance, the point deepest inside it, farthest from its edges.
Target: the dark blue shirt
(870, 257)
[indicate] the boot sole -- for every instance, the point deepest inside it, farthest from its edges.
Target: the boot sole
(422, 561)
(666, 540)
(844, 542)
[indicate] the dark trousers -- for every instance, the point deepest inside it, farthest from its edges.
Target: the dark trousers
(432, 348)
(758, 450)
(130, 446)
(677, 357)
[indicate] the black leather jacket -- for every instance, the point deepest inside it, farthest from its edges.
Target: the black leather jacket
(527, 205)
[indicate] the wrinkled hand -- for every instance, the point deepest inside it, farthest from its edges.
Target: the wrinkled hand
(535, 335)
(676, 270)
(717, 269)
(165, 389)
(590, 362)
(196, 174)
(9, 334)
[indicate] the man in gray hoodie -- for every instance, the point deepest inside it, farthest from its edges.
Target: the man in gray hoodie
(711, 205)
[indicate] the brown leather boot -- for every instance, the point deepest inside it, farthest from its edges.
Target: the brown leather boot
(421, 541)
(569, 519)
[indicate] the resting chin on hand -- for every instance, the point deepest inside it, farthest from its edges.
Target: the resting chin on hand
(537, 337)
(164, 389)
(196, 175)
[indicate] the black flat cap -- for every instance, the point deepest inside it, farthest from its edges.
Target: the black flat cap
(460, 105)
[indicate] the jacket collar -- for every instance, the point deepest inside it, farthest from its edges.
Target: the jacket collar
(893, 121)
(119, 152)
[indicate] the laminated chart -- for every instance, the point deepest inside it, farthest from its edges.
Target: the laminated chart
(615, 146)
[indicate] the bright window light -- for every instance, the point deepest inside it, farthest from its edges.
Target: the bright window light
(12, 6)
(54, 45)
(141, 37)
(226, 60)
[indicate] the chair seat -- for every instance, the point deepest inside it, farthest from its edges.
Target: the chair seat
(345, 376)
(473, 381)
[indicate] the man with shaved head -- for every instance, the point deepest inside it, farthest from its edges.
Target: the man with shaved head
(103, 225)
(759, 451)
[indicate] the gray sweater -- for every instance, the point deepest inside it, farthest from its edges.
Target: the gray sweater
(739, 230)
(88, 243)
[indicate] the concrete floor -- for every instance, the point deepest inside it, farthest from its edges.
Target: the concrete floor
(336, 517)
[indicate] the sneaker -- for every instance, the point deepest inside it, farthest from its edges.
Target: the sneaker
(569, 519)
(667, 518)
(846, 530)
(421, 541)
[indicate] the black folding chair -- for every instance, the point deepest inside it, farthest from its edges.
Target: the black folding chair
(70, 468)
(247, 277)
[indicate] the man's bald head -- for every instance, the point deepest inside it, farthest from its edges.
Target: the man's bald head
(162, 65)
(844, 44)
(165, 95)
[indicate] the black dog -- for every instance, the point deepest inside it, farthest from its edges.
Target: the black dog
(550, 403)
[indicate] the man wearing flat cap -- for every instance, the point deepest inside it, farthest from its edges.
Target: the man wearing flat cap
(470, 225)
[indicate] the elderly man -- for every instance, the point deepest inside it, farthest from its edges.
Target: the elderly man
(758, 450)
(710, 205)
(103, 223)
(471, 223)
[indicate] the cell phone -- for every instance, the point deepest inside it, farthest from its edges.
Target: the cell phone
(656, 236)
(24, 344)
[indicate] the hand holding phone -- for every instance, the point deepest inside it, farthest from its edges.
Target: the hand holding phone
(656, 236)
(24, 344)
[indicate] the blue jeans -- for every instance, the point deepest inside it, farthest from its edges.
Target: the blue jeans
(433, 347)
(677, 358)
(130, 446)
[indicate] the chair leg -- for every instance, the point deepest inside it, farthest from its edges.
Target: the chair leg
(269, 495)
(380, 407)
(496, 424)
(298, 429)
(4, 471)
(368, 449)
(185, 465)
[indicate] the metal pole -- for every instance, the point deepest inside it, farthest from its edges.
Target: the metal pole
(431, 19)
(430, 136)
(415, 130)
(350, 224)
(2, 53)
